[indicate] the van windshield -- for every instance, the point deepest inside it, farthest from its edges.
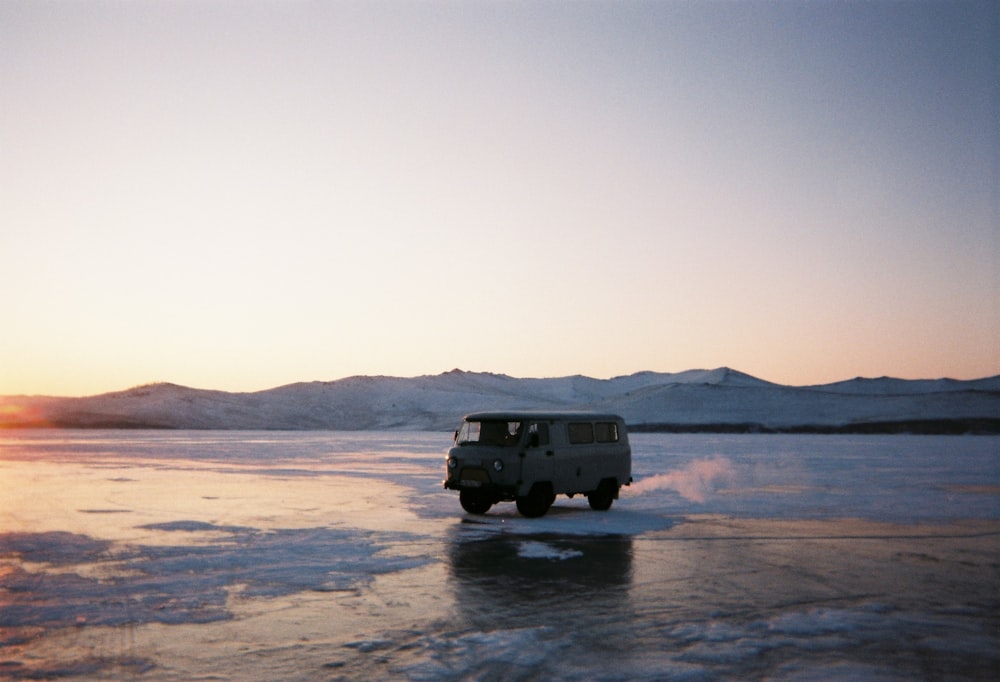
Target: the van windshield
(489, 432)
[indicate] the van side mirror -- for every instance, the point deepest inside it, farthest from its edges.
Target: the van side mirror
(533, 440)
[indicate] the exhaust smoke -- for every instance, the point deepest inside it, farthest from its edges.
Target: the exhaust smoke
(694, 482)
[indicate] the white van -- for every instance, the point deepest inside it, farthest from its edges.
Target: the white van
(530, 457)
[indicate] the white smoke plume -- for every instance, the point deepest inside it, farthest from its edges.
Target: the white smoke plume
(694, 482)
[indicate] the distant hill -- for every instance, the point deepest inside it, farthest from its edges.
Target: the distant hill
(721, 400)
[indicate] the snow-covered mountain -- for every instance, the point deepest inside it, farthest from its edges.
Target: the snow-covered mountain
(696, 400)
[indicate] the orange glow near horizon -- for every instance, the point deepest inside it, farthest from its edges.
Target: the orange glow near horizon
(20, 415)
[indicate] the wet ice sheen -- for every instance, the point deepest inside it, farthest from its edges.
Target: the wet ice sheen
(234, 555)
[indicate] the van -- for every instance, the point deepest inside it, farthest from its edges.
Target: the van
(530, 457)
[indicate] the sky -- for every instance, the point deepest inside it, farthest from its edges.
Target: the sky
(243, 194)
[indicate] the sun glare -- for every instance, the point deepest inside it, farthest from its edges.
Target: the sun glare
(22, 415)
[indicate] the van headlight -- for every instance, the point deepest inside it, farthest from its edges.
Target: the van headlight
(498, 465)
(452, 462)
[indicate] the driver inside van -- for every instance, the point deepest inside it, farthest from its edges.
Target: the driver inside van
(499, 433)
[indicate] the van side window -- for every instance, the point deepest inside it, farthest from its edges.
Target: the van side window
(581, 433)
(606, 432)
(541, 430)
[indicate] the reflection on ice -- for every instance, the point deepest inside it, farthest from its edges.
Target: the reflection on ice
(496, 578)
(493, 574)
(546, 606)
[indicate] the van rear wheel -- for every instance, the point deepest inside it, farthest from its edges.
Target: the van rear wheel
(536, 502)
(602, 498)
(475, 501)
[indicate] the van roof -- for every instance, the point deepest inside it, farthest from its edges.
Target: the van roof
(519, 415)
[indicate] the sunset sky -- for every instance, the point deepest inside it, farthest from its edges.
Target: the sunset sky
(243, 194)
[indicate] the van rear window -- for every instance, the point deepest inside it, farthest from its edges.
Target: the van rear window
(581, 433)
(606, 432)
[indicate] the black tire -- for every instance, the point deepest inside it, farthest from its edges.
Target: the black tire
(536, 502)
(602, 498)
(475, 501)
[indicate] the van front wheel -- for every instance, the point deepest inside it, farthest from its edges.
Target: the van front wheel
(601, 499)
(475, 501)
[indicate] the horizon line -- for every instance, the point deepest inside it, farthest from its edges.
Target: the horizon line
(725, 368)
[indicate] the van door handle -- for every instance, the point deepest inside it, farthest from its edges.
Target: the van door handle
(549, 453)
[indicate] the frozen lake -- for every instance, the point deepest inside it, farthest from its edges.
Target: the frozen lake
(323, 556)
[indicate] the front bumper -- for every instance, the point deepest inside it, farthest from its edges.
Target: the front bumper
(477, 478)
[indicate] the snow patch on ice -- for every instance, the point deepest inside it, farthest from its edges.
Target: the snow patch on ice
(568, 518)
(184, 582)
(531, 549)
(842, 671)
(478, 655)
(823, 621)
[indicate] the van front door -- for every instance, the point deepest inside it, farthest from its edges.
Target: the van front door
(537, 464)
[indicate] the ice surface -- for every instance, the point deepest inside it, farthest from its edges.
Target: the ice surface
(239, 555)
